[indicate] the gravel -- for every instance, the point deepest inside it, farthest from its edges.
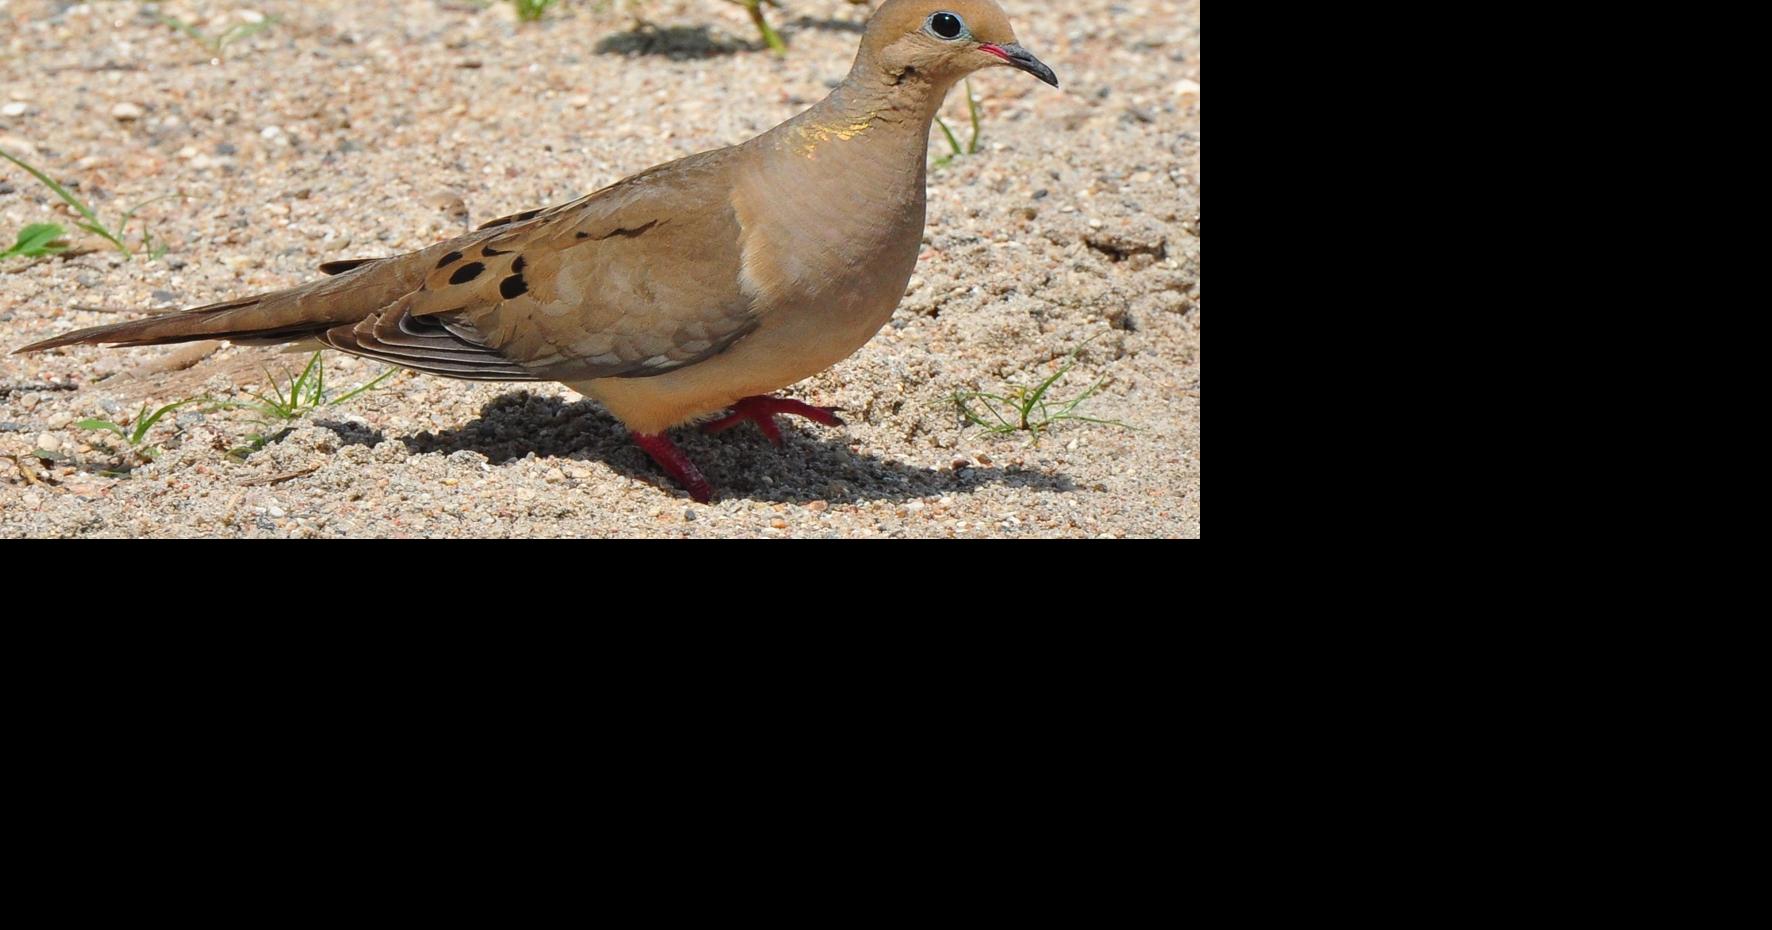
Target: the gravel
(353, 130)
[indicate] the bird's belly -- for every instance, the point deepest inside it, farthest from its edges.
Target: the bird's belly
(793, 342)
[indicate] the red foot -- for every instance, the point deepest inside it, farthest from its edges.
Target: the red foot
(762, 409)
(678, 465)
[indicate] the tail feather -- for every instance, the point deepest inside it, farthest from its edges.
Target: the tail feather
(279, 316)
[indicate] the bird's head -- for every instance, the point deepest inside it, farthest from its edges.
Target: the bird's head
(944, 41)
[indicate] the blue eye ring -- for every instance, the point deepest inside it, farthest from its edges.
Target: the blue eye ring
(946, 26)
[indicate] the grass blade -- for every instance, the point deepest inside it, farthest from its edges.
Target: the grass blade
(950, 134)
(365, 387)
(93, 225)
(37, 239)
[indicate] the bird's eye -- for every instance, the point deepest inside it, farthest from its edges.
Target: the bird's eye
(946, 26)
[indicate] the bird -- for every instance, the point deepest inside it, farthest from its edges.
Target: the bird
(686, 294)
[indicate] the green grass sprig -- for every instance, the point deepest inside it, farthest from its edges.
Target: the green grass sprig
(92, 223)
(304, 394)
(215, 44)
(1027, 409)
(36, 241)
(971, 144)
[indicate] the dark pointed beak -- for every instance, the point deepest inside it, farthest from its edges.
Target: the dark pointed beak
(1019, 57)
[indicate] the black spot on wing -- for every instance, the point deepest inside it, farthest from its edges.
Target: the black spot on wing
(466, 273)
(513, 218)
(344, 265)
(449, 259)
(513, 286)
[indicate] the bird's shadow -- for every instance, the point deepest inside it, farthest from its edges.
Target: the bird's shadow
(814, 463)
(674, 42)
(828, 25)
(691, 42)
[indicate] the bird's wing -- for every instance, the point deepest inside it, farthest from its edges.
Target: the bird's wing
(637, 279)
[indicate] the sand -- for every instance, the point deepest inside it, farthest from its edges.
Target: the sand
(350, 130)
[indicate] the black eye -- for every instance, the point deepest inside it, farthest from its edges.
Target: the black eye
(946, 25)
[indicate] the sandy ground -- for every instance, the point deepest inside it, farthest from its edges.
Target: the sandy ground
(353, 129)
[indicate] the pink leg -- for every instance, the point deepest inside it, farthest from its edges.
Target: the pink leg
(761, 410)
(675, 463)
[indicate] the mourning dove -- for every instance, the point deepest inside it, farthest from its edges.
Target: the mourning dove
(692, 288)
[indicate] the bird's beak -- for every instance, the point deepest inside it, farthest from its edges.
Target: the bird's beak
(1018, 57)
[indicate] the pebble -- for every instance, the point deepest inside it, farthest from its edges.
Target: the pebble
(49, 442)
(779, 523)
(15, 108)
(60, 420)
(126, 111)
(818, 506)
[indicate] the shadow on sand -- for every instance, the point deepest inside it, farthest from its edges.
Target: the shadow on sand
(814, 462)
(691, 42)
(676, 42)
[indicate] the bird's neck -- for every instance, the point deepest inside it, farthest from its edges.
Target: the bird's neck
(872, 117)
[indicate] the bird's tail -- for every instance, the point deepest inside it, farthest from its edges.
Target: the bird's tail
(360, 288)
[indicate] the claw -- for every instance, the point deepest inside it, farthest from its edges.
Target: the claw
(761, 410)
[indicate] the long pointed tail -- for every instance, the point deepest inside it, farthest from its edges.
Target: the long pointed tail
(279, 316)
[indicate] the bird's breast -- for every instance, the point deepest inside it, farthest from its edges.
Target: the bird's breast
(839, 245)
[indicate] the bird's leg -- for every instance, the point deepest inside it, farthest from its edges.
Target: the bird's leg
(676, 464)
(761, 410)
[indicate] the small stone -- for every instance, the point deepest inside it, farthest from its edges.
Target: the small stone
(31, 400)
(555, 476)
(276, 512)
(688, 515)
(15, 108)
(48, 442)
(60, 420)
(818, 506)
(779, 523)
(960, 463)
(982, 458)
(126, 112)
